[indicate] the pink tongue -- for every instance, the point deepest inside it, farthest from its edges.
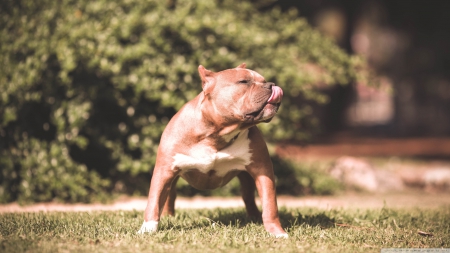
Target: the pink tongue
(277, 94)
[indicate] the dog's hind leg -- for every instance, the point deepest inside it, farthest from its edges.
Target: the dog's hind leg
(169, 206)
(248, 189)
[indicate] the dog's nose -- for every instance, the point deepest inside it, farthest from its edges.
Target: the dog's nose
(268, 85)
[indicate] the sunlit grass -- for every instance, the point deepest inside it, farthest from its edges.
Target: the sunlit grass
(227, 230)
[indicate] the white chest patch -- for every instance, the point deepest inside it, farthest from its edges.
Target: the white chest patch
(234, 157)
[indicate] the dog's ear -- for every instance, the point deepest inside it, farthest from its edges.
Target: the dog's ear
(207, 79)
(242, 66)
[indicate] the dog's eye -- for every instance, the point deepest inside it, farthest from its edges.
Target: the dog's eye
(244, 81)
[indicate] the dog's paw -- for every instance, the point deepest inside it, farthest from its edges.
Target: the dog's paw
(283, 236)
(148, 227)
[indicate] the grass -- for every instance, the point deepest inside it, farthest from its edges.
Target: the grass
(226, 230)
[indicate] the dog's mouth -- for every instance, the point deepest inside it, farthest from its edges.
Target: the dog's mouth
(268, 109)
(276, 96)
(251, 116)
(259, 115)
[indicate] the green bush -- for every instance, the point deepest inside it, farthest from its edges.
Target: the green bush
(304, 178)
(88, 86)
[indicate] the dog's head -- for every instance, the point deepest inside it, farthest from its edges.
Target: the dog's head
(240, 95)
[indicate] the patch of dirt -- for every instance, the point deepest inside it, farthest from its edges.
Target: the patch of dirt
(361, 201)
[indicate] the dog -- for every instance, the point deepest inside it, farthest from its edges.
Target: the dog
(214, 138)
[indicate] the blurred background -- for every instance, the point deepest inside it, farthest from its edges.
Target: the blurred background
(406, 43)
(88, 87)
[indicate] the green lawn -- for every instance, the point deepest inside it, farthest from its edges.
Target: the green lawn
(226, 230)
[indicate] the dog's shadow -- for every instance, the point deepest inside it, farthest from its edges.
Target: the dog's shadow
(239, 219)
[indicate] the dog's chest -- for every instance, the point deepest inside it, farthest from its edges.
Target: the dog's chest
(234, 157)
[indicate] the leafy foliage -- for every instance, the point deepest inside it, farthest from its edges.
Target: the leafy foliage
(303, 178)
(88, 86)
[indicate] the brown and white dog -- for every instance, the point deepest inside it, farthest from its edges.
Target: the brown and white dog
(214, 138)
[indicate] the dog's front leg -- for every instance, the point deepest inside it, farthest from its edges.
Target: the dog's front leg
(261, 169)
(266, 190)
(159, 190)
